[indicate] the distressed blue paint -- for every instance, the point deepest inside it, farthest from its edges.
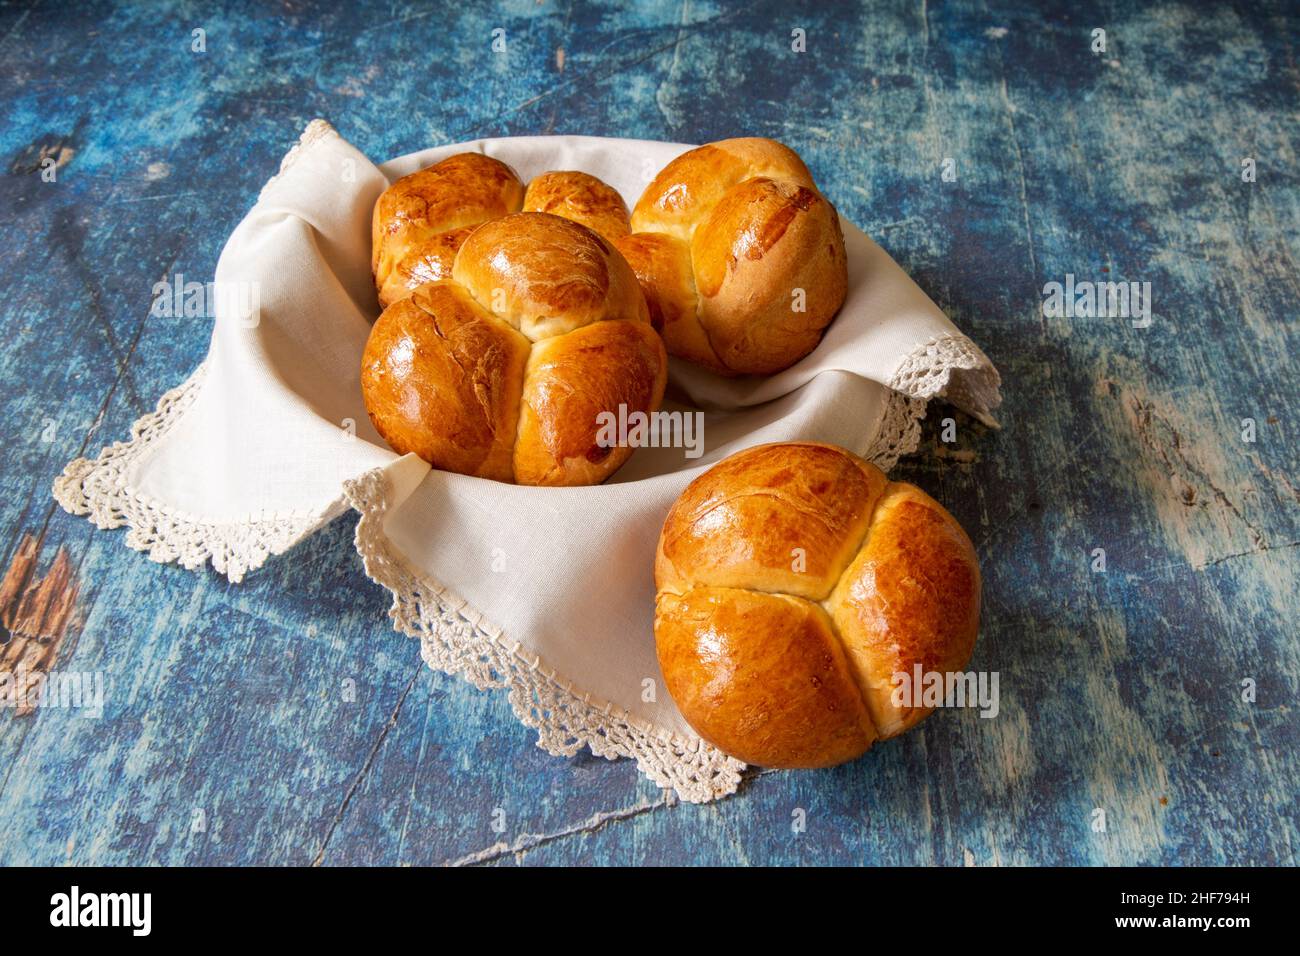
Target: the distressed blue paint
(1119, 691)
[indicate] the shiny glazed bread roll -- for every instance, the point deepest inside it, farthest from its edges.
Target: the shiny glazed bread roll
(794, 580)
(741, 258)
(582, 198)
(502, 370)
(421, 221)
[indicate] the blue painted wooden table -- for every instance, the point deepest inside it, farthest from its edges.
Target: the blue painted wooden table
(991, 150)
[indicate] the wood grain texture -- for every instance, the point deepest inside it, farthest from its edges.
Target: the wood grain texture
(228, 735)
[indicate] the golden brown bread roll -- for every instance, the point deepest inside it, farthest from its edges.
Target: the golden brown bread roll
(421, 221)
(741, 258)
(582, 198)
(501, 370)
(794, 580)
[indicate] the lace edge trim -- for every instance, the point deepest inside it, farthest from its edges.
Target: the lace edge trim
(98, 489)
(950, 366)
(455, 640)
(955, 368)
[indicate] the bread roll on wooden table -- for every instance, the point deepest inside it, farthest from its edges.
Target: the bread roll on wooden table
(794, 580)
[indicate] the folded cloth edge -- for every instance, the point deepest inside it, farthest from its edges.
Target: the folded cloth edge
(456, 640)
(98, 489)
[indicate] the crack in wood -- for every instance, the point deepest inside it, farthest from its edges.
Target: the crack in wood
(531, 841)
(1245, 554)
(1158, 434)
(389, 724)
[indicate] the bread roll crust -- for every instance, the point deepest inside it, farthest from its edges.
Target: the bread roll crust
(761, 676)
(570, 380)
(662, 264)
(892, 576)
(771, 271)
(461, 191)
(767, 266)
(547, 275)
(427, 261)
(764, 521)
(582, 198)
(911, 596)
(442, 377)
(420, 222)
(681, 196)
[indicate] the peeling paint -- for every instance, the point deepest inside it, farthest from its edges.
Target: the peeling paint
(35, 612)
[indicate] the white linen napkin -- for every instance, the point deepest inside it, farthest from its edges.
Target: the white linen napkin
(546, 591)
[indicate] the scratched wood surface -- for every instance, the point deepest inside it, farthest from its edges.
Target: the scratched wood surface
(227, 733)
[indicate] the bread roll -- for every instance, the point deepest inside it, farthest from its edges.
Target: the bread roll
(794, 580)
(502, 370)
(741, 258)
(421, 221)
(583, 199)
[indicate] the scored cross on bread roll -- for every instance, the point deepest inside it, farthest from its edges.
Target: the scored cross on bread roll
(503, 368)
(794, 581)
(741, 258)
(421, 221)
